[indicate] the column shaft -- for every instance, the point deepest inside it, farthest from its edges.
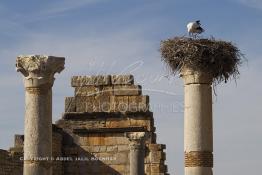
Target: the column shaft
(198, 117)
(137, 152)
(38, 131)
(198, 130)
(137, 159)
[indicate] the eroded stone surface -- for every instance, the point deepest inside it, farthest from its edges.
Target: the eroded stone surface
(91, 133)
(102, 80)
(81, 81)
(122, 79)
(38, 72)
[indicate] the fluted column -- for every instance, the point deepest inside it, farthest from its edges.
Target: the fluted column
(137, 152)
(38, 72)
(198, 130)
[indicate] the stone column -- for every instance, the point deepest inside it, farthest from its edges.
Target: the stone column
(198, 132)
(137, 152)
(38, 72)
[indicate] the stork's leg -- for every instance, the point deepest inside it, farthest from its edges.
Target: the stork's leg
(196, 36)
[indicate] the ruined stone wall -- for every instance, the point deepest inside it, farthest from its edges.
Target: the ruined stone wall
(57, 139)
(90, 137)
(95, 121)
(11, 161)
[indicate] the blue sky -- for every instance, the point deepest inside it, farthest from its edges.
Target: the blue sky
(116, 36)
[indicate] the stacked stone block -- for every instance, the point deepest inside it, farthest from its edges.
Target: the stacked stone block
(156, 159)
(57, 151)
(11, 161)
(96, 119)
(106, 94)
(90, 138)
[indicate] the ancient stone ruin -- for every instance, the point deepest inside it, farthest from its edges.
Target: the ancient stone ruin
(106, 129)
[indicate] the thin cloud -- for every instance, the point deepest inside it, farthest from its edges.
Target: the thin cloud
(47, 11)
(67, 5)
(236, 108)
(251, 3)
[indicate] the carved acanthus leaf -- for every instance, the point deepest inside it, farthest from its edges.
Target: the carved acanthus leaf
(33, 66)
(136, 135)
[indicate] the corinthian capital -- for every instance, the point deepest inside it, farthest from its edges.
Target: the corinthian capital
(39, 69)
(136, 139)
(135, 135)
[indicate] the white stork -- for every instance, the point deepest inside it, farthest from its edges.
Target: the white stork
(194, 28)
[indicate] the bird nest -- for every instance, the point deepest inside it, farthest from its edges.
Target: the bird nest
(218, 58)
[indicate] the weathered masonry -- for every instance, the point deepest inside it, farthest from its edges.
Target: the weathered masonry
(106, 129)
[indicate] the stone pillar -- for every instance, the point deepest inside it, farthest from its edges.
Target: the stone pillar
(38, 72)
(198, 132)
(137, 152)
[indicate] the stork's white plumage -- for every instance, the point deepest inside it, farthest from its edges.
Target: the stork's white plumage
(194, 28)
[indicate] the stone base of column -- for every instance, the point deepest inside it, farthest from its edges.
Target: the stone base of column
(37, 168)
(198, 171)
